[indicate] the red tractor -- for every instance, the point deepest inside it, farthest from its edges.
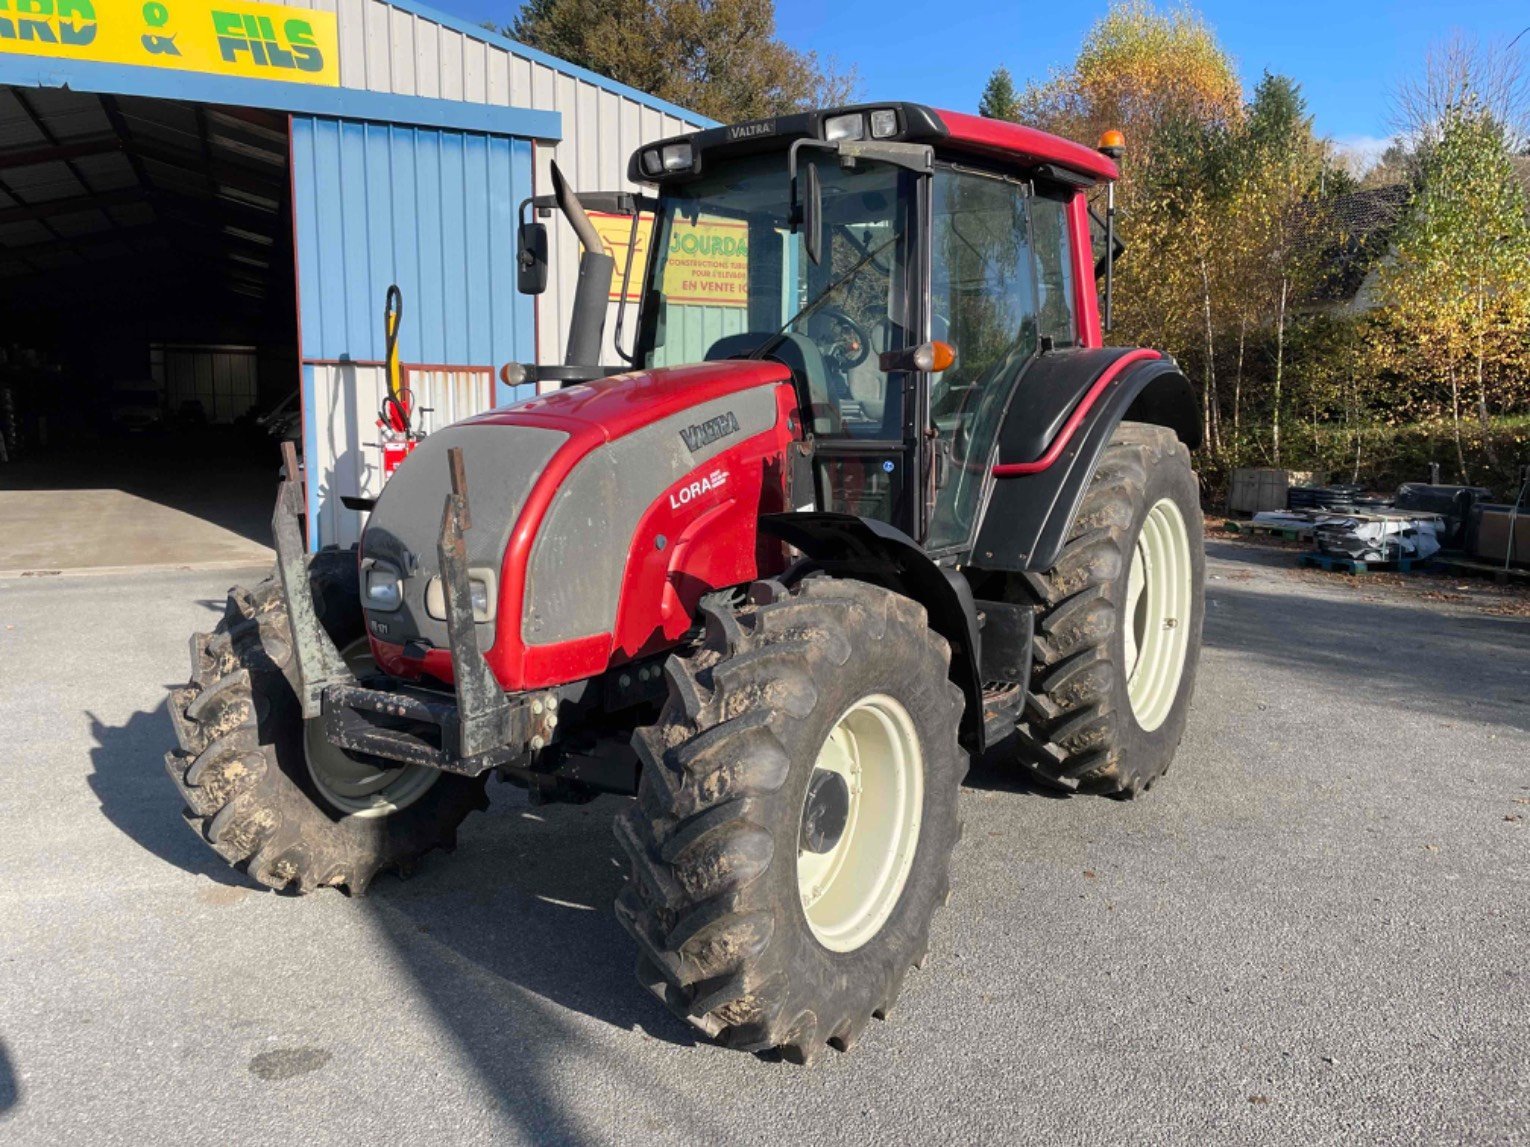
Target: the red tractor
(873, 498)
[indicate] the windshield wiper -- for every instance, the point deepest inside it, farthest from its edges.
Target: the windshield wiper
(774, 340)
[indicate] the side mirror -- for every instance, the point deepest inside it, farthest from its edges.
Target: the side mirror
(812, 216)
(531, 259)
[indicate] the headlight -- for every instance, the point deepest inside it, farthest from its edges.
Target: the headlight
(653, 162)
(884, 123)
(677, 157)
(844, 127)
(483, 589)
(385, 589)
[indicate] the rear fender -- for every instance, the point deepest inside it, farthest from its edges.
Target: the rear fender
(871, 551)
(1040, 478)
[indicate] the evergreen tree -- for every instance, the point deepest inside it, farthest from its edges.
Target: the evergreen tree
(721, 58)
(999, 99)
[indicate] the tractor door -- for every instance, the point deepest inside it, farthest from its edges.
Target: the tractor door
(1001, 292)
(859, 304)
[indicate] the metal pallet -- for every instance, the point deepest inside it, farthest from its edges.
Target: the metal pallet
(1358, 566)
(1287, 533)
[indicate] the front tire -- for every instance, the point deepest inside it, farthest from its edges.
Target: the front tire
(795, 818)
(263, 787)
(1118, 623)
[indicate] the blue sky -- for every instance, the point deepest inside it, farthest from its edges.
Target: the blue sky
(1347, 55)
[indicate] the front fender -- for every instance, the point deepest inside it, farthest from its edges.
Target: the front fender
(868, 550)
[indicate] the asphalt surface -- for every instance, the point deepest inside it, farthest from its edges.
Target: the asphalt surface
(1315, 930)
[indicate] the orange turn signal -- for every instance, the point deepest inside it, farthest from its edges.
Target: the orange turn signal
(927, 358)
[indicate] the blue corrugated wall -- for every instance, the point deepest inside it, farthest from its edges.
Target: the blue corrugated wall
(430, 210)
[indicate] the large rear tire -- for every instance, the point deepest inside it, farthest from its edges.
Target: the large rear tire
(1118, 623)
(796, 814)
(263, 787)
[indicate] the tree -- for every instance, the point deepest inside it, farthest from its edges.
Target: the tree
(1460, 277)
(1493, 73)
(717, 57)
(1138, 69)
(1164, 81)
(1278, 165)
(999, 100)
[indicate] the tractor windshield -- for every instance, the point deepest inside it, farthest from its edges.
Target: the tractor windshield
(729, 276)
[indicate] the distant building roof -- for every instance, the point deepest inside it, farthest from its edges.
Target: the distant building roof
(1347, 234)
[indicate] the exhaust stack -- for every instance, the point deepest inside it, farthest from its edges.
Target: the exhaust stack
(587, 325)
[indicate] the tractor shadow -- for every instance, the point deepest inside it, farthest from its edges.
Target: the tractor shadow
(996, 770)
(10, 1087)
(128, 777)
(524, 904)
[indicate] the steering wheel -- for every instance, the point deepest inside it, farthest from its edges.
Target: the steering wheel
(851, 346)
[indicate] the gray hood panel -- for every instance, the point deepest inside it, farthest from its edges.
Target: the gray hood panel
(502, 465)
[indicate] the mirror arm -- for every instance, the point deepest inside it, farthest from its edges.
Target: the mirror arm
(621, 306)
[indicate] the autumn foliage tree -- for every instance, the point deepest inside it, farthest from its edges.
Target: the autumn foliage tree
(1460, 280)
(1233, 212)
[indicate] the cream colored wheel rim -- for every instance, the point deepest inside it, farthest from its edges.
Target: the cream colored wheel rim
(1159, 596)
(850, 890)
(356, 785)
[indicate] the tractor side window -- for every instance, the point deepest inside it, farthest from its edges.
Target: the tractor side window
(1054, 268)
(983, 302)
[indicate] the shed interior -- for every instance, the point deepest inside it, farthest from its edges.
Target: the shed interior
(149, 316)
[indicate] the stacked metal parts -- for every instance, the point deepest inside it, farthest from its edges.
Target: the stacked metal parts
(1379, 536)
(1419, 521)
(1338, 498)
(1346, 522)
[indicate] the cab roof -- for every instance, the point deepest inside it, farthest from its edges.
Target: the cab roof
(947, 131)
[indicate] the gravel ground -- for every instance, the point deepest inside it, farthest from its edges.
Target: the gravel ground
(1314, 931)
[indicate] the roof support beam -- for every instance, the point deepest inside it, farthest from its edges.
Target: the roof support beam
(37, 212)
(32, 156)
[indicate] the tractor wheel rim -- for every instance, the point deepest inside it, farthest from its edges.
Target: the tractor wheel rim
(356, 784)
(849, 891)
(1159, 597)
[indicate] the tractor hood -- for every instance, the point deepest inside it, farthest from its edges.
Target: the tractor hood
(616, 406)
(560, 486)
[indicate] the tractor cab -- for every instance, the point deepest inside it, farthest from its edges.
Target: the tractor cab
(905, 264)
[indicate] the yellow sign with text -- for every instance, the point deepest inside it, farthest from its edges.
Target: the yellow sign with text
(707, 263)
(225, 37)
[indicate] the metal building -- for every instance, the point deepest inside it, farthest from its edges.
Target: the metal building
(237, 176)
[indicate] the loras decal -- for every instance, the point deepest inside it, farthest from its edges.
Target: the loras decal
(693, 490)
(695, 437)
